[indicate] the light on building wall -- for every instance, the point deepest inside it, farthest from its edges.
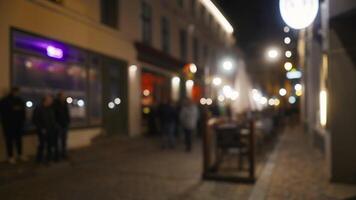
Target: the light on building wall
(287, 40)
(298, 14)
(175, 88)
(176, 80)
(323, 107)
(189, 87)
(132, 71)
(217, 81)
(209, 5)
(282, 92)
(288, 66)
(193, 68)
(288, 54)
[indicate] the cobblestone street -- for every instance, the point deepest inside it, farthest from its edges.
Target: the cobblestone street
(122, 168)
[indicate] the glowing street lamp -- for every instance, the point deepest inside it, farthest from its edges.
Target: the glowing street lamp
(193, 68)
(282, 92)
(292, 100)
(217, 81)
(272, 54)
(298, 14)
(227, 65)
(288, 66)
(287, 40)
(286, 29)
(298, 87)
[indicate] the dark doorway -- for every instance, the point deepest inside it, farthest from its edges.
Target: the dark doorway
(115, 105)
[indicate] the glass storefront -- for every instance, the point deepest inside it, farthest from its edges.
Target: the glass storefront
(41, 66)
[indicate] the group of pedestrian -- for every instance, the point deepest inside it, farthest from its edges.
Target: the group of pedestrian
(172, 119)
(50, 118)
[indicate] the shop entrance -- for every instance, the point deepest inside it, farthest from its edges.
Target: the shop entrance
(155, 88)
(115, 94)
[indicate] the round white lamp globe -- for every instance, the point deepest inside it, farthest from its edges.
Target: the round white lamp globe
(299, 14)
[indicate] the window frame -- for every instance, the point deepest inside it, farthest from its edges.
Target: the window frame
(146, 23)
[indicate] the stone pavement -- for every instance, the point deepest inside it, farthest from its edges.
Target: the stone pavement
(300, 172)
(136, 169)
(118, 168)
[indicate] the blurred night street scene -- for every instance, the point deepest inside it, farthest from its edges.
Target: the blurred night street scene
(178, 99)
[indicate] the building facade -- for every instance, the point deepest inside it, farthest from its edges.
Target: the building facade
(327, 54)
(114, 59)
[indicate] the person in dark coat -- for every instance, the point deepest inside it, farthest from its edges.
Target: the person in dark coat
(63, 121)
(45, 122)
(12, 112)
(167, 117)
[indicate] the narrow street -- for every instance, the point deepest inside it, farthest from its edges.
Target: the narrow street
(123, 168)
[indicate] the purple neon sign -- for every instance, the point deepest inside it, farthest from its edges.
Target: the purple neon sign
(54, 52)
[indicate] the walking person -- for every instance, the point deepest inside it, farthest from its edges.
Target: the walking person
(188, 116)
(45, 122)
(167, 116)
(12, 112)
(63, 121)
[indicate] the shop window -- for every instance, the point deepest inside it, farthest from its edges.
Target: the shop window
(165, 35)
(180, 3)
(183, 44)
(195, 50)
(146, 18)
(109, 12)
(41, 66)
(193, 7)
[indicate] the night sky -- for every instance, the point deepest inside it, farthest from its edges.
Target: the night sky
(257, 23)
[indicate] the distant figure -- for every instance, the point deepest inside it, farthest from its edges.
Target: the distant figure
(167, 116)
(45, 122)
(63, 121)
(12, 112)
(215, 110)
(188, 116)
